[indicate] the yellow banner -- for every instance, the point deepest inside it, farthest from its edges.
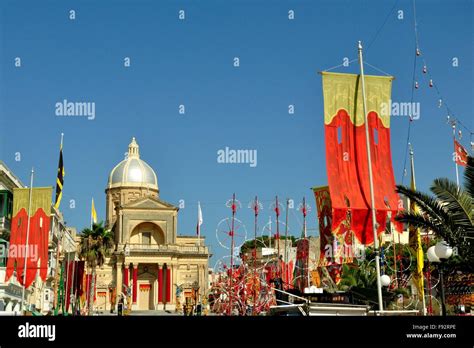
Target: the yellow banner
(344, 91)
(41, 198)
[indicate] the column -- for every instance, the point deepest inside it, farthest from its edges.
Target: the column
(125, 274)
(135, 283)
(118, 283)
(174, 277)
(158, 284)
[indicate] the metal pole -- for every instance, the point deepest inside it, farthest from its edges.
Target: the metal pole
(277, 237)
(418, 237)
(232, 257)
(441, 279)
(456, 155)
(372, 200)
(254, 285)
(306, 241)
(286, 244)
(30, 196)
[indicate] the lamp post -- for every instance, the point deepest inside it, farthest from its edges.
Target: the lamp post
(438, 254)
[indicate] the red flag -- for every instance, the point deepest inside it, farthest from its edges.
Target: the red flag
(461, 154)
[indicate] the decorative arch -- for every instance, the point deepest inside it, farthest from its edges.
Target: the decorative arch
(145, 231)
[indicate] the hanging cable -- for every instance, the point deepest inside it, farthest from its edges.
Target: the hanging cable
(413, 81)
(381, 27)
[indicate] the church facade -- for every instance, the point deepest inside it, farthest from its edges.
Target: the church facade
(152, 266)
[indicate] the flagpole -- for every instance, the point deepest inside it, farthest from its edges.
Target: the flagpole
(456, 155)
(418, 237)
(60, 237)
(286, 244)
(371, 182)
(27, 241)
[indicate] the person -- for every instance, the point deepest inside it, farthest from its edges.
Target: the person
(120, 305)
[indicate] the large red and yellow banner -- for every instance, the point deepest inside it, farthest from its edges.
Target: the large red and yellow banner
(346, 152)
(35, 252)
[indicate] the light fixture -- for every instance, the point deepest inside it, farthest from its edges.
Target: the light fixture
(432, 257)
(385, 280)
(443, 250)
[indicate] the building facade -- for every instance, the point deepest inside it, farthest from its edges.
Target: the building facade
(152, 266)
(40, 296)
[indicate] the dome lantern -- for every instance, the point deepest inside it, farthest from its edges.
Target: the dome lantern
(133, 149)
(133, 171)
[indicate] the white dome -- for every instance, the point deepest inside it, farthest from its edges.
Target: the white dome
(133, 171)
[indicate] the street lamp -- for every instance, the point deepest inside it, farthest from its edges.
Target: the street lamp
(385, 280)
(438, 254)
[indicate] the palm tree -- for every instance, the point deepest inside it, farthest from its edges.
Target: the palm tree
(95, 246)
(449, 212)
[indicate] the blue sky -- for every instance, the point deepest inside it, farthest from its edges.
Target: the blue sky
(190, 62)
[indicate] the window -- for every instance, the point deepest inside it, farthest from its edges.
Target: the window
(146, 238)
(2, 204)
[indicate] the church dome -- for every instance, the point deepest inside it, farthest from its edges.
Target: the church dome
(133, 171)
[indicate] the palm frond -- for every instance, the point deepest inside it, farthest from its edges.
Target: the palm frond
(469, 177)
(456, 201)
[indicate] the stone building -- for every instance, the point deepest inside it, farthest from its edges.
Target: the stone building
(151, 263)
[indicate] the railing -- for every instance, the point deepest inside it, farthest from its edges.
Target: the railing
(180, 249)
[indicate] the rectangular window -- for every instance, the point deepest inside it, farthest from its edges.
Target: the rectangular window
(2, 204)
(146, 238)
(9, 207)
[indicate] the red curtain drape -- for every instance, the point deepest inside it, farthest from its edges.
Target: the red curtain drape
(160, 284)
(168, 285)
(125, 275)
(135, 283)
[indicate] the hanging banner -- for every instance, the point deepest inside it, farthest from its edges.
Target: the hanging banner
(460, 153)
(346, 152)
(35, 252)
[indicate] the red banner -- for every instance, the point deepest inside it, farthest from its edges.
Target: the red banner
(460, 154)
(346, 153)
(29, 243)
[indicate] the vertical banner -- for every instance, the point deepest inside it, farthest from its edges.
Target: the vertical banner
(36, 254)
(346, 152)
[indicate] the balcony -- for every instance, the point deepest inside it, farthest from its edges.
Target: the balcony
(167, 249)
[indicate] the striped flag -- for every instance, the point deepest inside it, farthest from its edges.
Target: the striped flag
(60, 178)
(199, 222)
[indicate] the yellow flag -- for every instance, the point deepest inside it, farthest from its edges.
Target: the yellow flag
(415, 240)
(93, 213)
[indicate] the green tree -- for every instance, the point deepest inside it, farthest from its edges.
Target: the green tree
(95, 246)
(448, 212)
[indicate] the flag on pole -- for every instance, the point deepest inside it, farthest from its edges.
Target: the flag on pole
(38, 238)
(60, 178)
(415, 241)
(93, 212)
(199, 222)
(460, 153)
(346, 155)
